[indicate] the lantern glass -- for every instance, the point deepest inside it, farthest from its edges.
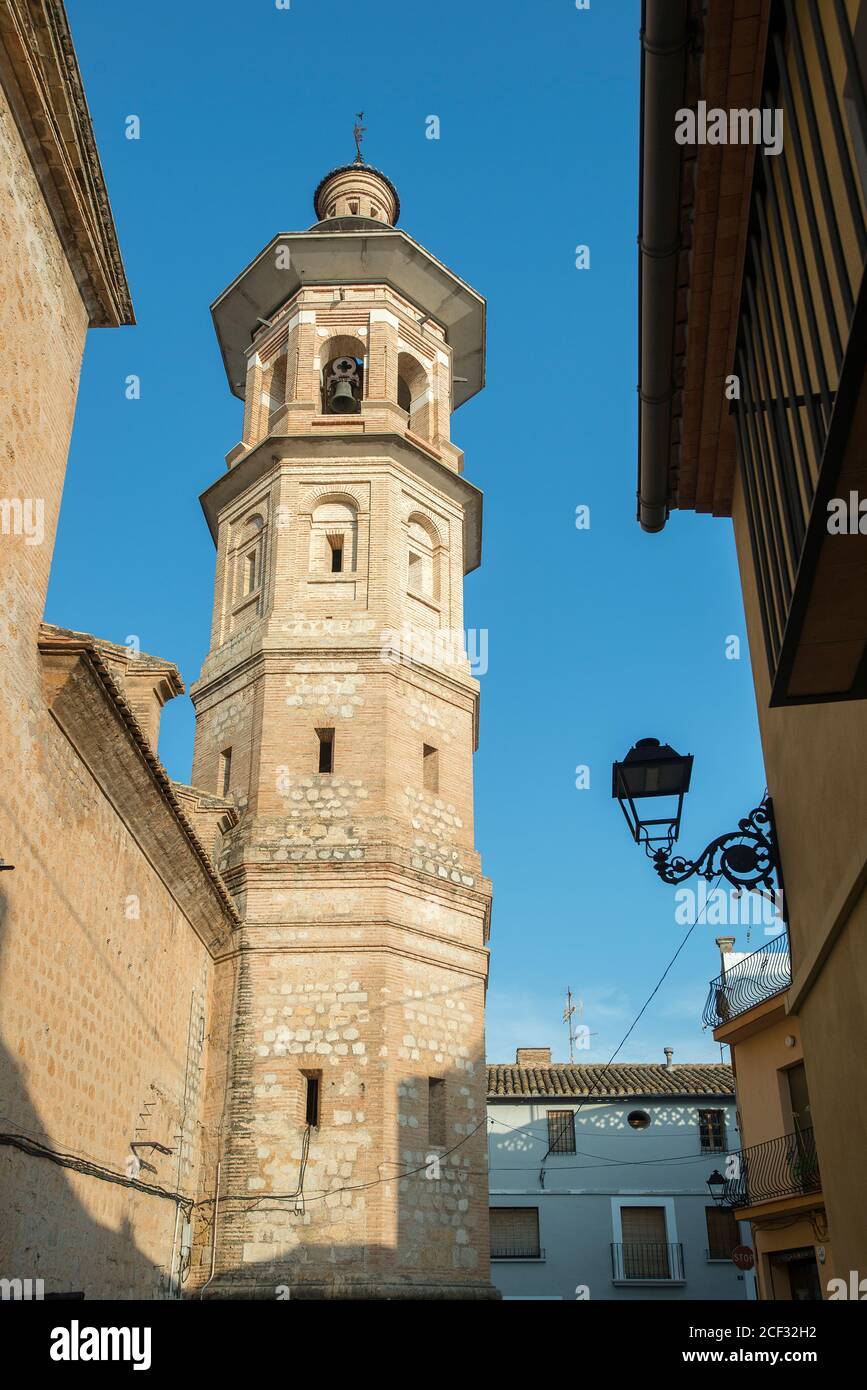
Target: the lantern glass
(717, 1186)
(650, 770)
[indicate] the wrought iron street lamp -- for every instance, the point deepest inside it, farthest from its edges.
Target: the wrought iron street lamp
(650, 770)
(747, 857)
(717, 1187)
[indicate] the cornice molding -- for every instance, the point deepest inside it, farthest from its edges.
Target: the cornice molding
(40, 75)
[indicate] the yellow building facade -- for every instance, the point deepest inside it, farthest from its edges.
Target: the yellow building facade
(754, 406)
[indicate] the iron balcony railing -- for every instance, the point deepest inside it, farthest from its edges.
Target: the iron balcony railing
(646, 1259)
(754, 979)
(517, 1252)
(785, 1167)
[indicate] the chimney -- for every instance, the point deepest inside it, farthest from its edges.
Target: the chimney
(669, 1053)
(533, 1057)
(726, 945)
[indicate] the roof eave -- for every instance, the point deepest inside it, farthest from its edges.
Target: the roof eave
(664, 39)
(388, 256)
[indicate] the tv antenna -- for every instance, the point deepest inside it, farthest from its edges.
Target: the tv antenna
(571, 1011)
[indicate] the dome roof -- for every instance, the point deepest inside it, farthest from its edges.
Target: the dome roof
(357, 180)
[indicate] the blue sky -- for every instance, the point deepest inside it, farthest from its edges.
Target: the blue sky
(596, 637)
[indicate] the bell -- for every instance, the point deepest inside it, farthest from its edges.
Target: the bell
(342, 399)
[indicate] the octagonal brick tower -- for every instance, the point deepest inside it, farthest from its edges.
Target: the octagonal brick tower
(337, 708)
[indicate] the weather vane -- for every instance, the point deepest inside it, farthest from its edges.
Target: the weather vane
(358, 131)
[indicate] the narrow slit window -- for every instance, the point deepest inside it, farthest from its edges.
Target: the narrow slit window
(225, 771)
(430, 768)
(326, 749)
(336, 544)
(415, 573)
(311, 1099)
(436, 1111)
(250, 566)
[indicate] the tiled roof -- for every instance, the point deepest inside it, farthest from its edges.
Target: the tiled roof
(638, 1079)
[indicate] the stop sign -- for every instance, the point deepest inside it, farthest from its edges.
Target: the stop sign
(742, 1256)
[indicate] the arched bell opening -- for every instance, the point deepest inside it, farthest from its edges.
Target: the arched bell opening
(342, 381)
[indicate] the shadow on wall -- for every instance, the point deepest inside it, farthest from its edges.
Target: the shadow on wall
(46, 1231)
(278, 1245)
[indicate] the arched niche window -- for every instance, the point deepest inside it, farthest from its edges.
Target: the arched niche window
(248, 562)
(274, 386)
(333, 536)
(413, 394)
(342, 376)
(422, 559)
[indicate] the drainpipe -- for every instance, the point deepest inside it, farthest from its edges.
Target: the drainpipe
(214, 1232)
(664, 52)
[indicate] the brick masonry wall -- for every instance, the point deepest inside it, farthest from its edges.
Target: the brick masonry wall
(104, 986)
(363, 956)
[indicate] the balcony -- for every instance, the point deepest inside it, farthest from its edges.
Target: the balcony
(517, 1252)
(750, 981)
(641, 1261)
(785, 1167)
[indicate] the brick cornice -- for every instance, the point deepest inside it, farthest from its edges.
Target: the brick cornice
(40, 74)
(382, 937)
(372, 451)
(286, 659)
(89, 706)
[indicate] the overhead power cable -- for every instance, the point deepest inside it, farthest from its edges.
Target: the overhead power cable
(552, 1144)
(35, 1149)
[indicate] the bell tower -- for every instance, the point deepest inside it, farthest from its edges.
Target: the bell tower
(338, 711)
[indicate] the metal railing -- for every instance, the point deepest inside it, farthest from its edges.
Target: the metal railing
(785, 1167)
(646, 1259)
(750, 981)
(517, 1252)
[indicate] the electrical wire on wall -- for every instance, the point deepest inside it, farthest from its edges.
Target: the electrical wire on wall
(89, 1169)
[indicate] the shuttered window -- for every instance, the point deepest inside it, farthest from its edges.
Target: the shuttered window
(515, 1233)
(645, 1251)
(722, 1233)
(643, 1223)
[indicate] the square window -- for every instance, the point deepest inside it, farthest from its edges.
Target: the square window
(712, 1131)
(515, 1233)
(561, 1131)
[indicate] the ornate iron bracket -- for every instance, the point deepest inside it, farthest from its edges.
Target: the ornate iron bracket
(747, 857)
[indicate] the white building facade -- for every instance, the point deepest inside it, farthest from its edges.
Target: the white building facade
(598, 1181)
